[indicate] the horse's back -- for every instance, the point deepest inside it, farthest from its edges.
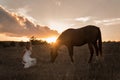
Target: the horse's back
(91, 33)
(81, 35)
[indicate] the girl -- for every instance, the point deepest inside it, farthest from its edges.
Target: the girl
(27, 60)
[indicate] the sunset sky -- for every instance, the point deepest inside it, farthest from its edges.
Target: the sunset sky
(21, 19)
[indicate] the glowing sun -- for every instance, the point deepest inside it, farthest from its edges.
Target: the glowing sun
(51, 39)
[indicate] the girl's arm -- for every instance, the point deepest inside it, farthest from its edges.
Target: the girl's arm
(22, 56)
(23, 53)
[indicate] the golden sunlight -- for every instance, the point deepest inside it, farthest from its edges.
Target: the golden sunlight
(59, 26)
(51, 39)
(7, 38)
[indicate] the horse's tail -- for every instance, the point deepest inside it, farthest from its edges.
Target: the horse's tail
(100, 42)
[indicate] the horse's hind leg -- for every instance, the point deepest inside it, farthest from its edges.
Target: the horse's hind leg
(70, 49)
(91, 51)
(96, 48)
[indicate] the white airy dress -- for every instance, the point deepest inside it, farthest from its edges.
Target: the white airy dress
(27, 60)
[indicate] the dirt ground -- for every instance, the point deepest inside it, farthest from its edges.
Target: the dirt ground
(11, 67)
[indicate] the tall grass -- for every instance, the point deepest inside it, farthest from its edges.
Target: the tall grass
(11, 67)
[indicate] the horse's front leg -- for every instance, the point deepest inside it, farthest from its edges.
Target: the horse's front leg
(91, 51)
(70, 49)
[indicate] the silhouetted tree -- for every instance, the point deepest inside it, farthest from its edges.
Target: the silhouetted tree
(34, 41)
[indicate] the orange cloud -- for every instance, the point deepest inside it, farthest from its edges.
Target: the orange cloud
(14, 25)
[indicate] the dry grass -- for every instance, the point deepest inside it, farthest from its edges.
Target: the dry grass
(11, 67)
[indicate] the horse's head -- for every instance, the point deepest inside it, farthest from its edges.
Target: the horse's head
(53, 52)
(53, 55)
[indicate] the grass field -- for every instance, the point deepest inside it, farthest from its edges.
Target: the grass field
(11, 67)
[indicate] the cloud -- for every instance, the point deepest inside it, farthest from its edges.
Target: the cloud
(95, 20)
(24, 12)
(57, 2)
(79, 19)
(15, 25)
(112, 21)
(82, 19)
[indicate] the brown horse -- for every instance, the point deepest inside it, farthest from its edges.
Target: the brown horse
(90, 35)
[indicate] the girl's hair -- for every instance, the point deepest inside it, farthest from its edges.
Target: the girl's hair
(28, 45)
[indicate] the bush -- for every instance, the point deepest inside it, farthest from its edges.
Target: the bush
(5, 45)
(21, 44)
(13, 44)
